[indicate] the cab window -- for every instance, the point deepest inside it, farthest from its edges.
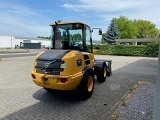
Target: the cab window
(88, 39)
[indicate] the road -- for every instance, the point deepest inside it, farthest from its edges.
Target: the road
(21, 99)
(32, 52)
(17, 55)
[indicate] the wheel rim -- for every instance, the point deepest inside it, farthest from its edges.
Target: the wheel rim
(90, 84)
(105, 71)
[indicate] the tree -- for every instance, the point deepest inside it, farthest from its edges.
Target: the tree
(126, 27)
(112, 33)
(146, 29)
(104, 37)
(159, 34)
(44, 37)
(76, 36)
(39, 36)
(64, 37)
(135, 28)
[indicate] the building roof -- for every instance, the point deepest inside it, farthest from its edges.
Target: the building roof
(139, 40)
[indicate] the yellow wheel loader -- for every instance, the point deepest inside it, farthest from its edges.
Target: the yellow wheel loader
(70, 63)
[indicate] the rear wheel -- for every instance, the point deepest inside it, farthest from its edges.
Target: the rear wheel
(86, 86)
(101, 77)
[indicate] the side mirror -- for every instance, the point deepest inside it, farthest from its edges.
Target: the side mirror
(100, 31)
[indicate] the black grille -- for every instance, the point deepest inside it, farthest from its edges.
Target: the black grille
(49, 67)
(87, 60)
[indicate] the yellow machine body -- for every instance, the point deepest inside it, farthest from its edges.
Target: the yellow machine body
(70, 77)
(69, 63)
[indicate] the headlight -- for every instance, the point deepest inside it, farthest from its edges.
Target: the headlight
(63, 65)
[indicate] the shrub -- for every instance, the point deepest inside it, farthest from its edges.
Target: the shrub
(150, 50)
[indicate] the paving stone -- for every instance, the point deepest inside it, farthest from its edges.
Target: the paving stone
(22, 99)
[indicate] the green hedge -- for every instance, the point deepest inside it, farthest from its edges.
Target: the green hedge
(150, 50)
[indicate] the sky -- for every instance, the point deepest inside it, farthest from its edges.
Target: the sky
(31, 18)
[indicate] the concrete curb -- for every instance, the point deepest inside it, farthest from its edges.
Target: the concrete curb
(13, 51)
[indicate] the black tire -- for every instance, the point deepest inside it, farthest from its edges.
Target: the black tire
(101, 77)
(86, 86)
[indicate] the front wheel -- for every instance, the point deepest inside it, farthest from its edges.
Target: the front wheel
(101, 77)
(86, 86)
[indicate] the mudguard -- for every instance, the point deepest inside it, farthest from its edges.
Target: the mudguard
(98, 66)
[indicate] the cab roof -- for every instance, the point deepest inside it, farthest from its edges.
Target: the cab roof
(69, 22)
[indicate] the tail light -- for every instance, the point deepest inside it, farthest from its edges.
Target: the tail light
(63, 80)
(33, 76)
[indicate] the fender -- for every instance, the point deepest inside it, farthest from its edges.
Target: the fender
(86, 69)
(98, 66)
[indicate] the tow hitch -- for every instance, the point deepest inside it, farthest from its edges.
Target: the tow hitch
(44, 79)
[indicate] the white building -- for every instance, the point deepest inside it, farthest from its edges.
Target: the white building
(12, 41)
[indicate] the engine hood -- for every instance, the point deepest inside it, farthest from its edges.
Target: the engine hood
(50, 55)
(49, 62)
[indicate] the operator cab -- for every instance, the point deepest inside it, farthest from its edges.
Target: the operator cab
(71, 35)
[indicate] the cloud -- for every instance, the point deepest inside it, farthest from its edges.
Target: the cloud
(33, 19)
(105, 5)
(106, 9)
(16, 19)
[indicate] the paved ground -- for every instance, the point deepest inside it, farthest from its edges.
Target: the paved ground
(3, 51)
(21, 99)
